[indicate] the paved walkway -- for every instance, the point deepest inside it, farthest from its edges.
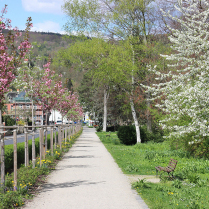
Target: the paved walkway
(87, 178)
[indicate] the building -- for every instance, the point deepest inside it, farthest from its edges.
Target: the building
(56, 116)
(20, 107)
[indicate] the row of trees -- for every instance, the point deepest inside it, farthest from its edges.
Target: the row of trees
(127, 37)
(120, 47)
(46, 89)
(42, 85)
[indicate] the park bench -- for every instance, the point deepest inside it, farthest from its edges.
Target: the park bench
(169, 169)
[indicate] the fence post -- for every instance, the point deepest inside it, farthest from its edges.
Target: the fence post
(26, 148)
(73, 129)
(33, 150)
(68, 132)
(55, 137)
(2, 161)
(46, 140)
(60, 137)
(63, 133)
(43, 144)
(51, 141)
(15, 158)
(40, 144)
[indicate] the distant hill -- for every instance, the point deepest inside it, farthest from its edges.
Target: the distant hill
(45, 45)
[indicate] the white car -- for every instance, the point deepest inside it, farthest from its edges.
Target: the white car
(59, 122)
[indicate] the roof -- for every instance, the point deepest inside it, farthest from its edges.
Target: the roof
(21, 94)
(22, 99)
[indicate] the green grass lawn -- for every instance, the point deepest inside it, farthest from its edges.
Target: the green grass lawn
(189, 189)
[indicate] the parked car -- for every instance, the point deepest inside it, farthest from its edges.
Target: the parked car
(59, 122)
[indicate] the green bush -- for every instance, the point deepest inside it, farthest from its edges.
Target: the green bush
(156, 135)
(127, 135)
(8, 120)
(112, 128)
(196, 147)
(99, 128)
(9, 153)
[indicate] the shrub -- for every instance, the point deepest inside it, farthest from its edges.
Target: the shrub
(127, 135)
(9, 152)
(155, 136)
(8, 120)
(99, 128)
(195, 147)
(20, 123)
(112, 128)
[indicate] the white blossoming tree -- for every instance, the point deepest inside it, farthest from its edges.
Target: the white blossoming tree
(185, 87)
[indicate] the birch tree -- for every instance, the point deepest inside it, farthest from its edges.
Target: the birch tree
(123, 19)
(105, 63)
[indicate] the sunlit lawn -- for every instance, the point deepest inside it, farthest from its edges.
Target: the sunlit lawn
(188, 190)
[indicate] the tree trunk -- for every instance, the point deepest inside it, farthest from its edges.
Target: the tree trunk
(138, 137)
(106, 95)
(149, 119)
(32, 114)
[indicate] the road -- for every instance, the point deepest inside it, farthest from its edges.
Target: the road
(20, 138)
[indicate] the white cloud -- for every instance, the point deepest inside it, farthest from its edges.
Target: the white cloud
(45, 6)
(47, 26)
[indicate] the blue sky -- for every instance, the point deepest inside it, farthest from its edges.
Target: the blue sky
(46, 15)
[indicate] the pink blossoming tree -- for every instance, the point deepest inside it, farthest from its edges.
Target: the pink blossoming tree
(49, 94)
(12, 51)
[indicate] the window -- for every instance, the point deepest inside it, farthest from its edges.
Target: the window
(11, 107)
(20, 106)
(28, 106)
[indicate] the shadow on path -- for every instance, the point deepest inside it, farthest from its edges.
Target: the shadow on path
(49, 186)
(81, 156)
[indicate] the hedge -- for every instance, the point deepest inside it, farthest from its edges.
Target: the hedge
(9, 153)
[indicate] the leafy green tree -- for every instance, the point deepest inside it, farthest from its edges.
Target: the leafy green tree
(102, 60)
(123, 19)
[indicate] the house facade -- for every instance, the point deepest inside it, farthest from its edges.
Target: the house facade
(20, 107)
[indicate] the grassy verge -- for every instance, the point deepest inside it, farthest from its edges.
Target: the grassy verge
(190, 187)
(30, 179)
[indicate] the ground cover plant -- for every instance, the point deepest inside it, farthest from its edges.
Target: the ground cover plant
(189, 188)
(29, 179)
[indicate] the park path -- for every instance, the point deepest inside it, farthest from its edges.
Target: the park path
(87, 178)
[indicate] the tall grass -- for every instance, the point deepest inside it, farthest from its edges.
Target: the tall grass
(189, 188)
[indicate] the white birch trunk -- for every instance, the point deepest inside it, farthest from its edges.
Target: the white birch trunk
(138, 137)
(105, 109)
